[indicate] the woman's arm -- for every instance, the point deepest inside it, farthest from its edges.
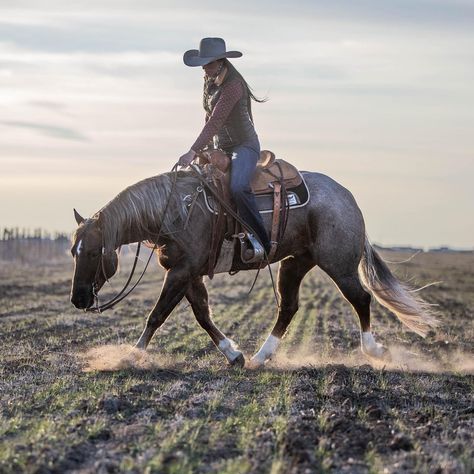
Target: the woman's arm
(230, 95)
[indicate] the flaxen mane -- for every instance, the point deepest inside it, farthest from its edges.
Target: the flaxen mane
(141, 207)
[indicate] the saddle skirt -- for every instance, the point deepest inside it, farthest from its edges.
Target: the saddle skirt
(270, 169)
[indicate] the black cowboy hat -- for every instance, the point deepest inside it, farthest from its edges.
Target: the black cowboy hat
(210, 49)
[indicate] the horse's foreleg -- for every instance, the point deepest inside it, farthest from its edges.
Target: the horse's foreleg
(198, 298)
(174, 288)
(290, 275)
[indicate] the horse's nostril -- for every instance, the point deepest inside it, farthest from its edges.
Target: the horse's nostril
(82, 299)
(77, 303)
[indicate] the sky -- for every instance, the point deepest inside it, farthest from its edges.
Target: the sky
(94, 96)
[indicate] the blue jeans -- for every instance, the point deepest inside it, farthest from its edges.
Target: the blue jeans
(244, 163)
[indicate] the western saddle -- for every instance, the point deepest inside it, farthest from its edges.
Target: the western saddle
(273, 176)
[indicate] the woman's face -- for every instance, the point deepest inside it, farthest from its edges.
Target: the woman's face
(212, 69)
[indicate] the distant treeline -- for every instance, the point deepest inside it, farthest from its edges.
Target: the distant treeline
(17, 233)
(442, 249)
(32, 245)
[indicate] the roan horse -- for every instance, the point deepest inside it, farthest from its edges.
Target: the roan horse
(328, 232)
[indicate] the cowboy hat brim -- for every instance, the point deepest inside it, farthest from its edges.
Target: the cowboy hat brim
(192, 58)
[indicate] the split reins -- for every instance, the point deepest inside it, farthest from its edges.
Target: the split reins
(123, 293)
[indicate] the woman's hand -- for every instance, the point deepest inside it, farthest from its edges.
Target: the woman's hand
(187, 158)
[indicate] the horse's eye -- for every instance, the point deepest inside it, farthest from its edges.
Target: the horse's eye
(94, 253)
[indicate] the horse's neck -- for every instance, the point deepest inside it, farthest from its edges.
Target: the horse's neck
(136, 230)
(139, 223)
(131, 236)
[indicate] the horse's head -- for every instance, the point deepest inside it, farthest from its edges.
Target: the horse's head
(93, 265)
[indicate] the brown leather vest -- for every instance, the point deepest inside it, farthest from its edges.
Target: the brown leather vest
(238, 128)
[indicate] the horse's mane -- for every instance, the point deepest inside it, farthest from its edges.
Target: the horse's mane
(141, 207)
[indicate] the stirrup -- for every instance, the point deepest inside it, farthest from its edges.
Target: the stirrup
(255, 249)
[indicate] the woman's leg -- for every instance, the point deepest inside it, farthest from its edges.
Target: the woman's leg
(244, 162)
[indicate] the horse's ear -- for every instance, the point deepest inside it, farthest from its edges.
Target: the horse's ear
(79, 218)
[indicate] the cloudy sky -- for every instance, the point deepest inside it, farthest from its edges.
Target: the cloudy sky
(377, 94)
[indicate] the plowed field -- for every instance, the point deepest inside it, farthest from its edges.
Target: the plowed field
(75, 397)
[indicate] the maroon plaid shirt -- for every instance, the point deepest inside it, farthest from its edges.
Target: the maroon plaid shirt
(230, 95)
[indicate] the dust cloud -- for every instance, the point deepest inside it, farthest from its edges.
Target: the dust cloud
(402, 359)
(123, 356)
(114, 357)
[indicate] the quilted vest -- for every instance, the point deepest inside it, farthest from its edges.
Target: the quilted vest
(238, 128)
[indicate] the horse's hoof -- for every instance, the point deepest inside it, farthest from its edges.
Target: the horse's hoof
(239, 361)
(386, 355)
(381, 354)
(255, 364)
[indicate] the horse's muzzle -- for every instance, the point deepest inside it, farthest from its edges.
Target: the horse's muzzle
(82, 299)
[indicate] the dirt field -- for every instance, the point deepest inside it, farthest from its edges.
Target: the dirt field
(74, 396)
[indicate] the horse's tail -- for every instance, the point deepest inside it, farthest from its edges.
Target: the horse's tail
(396, 296)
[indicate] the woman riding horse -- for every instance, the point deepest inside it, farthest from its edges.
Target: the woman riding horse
(328, 232)
(229, 125)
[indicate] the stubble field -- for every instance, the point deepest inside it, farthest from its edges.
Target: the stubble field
(75, 397)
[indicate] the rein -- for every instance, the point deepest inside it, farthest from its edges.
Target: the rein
(244, 224)
(123, 293)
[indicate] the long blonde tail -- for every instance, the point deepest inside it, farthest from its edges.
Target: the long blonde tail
(395, 295)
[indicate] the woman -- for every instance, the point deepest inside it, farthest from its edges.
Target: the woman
(229, 125)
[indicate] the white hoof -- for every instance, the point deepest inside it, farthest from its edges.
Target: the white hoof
(265, 353)
(255, 363)
(239, 361)
(231, 351)
(373, 349)
(379, 352)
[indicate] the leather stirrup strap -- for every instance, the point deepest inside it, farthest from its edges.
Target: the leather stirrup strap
(276, 219)
(217, 229)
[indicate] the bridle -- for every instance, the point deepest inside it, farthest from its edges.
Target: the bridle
(124, 292)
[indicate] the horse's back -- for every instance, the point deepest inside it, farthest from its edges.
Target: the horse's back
(335, 220)
(325, 189)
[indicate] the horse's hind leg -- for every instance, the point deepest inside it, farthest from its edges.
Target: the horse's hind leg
(290, 274)
(359, 298)
(198, 298)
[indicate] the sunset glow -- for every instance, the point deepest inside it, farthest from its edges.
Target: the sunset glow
(378, 96)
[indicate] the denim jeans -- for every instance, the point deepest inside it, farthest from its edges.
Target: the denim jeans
(244, 163)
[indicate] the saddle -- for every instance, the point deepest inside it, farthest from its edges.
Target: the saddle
(269, 170)
(272, 181)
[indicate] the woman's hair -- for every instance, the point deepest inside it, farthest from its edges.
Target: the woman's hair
(232, 73)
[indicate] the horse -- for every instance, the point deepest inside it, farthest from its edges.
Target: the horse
(329, 232)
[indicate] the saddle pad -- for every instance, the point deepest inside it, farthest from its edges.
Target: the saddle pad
(264, 176)
(297, 197)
